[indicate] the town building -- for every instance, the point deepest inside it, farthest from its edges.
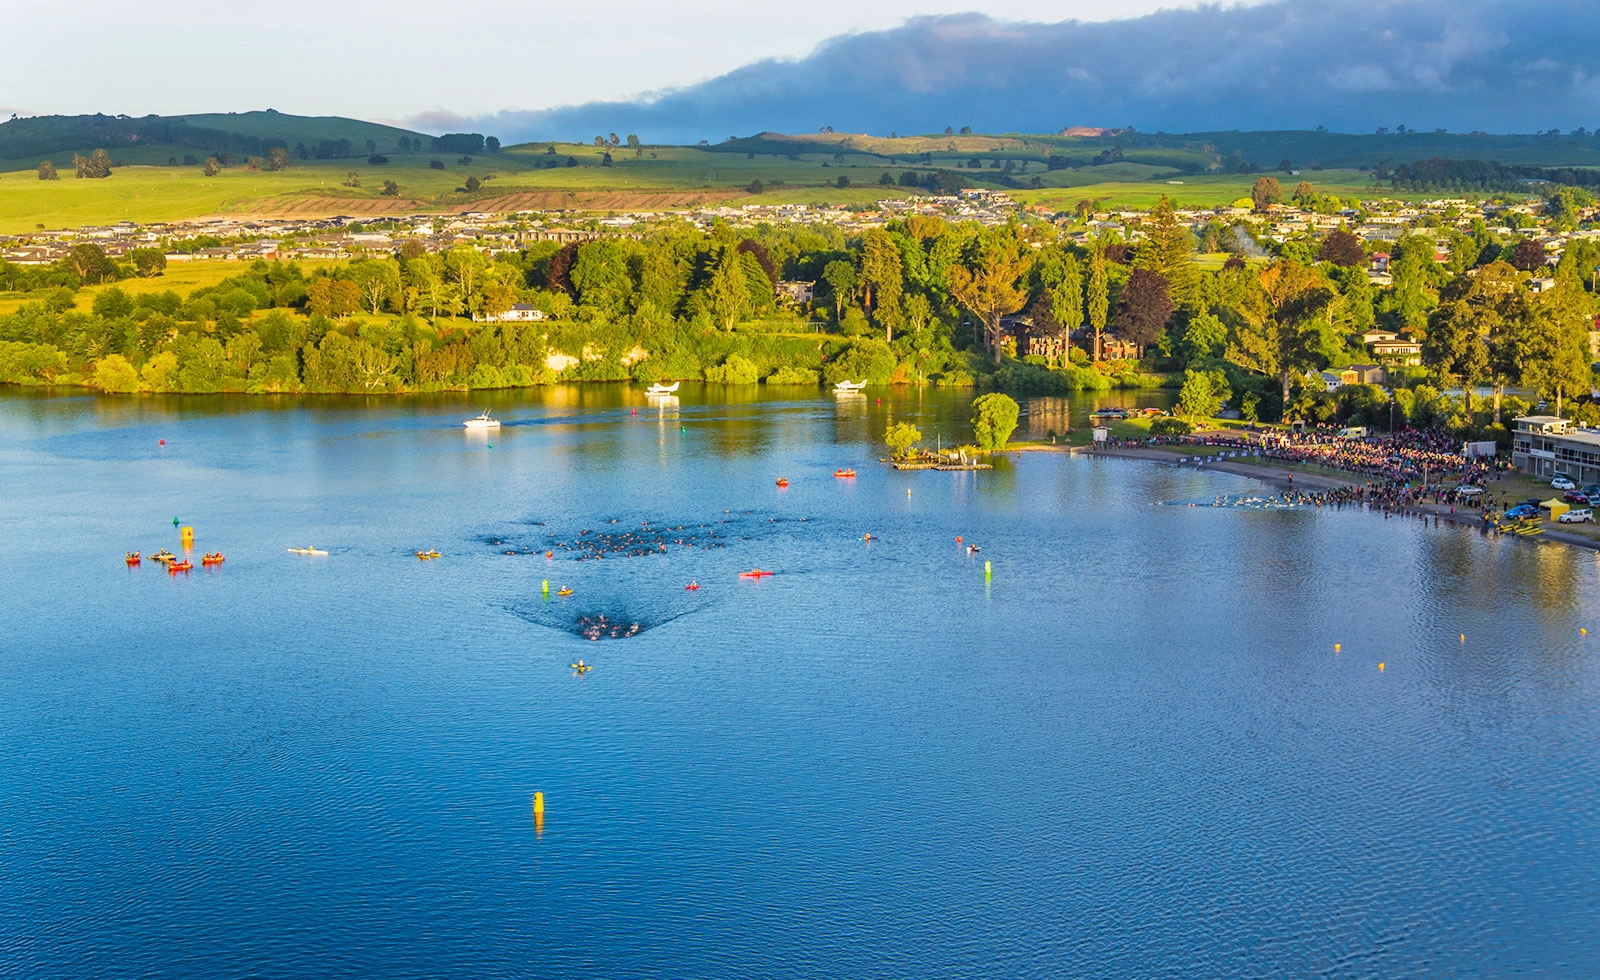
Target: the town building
(1543, 446)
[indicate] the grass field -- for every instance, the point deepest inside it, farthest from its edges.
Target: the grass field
(658, 178)
(180, 277)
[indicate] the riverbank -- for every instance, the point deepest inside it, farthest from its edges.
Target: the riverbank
(1295, 476)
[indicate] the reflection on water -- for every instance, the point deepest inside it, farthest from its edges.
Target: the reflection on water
(1153, 741)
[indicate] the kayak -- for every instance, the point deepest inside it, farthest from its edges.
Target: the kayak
(564, 592)
(305, 551)
(692, 586)
(754, 573)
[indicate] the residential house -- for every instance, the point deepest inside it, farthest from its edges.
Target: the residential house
(519, 313)
(1400, 351)
(795, 291)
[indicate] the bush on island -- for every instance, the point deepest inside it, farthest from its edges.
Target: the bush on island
(994, 418)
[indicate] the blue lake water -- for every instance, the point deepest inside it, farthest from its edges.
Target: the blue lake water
(1133, 753)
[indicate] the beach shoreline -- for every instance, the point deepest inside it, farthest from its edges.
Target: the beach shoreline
(1279, 476)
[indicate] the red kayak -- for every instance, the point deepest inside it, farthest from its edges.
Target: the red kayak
(754, 573)
(692, 586)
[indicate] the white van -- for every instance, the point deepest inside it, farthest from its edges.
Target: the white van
(1353, 432)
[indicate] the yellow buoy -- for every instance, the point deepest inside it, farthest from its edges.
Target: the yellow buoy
(188, 537)
(1336, 648)
(1463, 637)
(1380, 668)
(538, 804)
(1583, 631)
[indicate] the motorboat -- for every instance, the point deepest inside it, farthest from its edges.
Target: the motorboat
(660, 389)
(847, 387)
(483, 421)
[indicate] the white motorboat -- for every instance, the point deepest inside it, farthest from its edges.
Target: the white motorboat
(845, 387)
(660, 389)
(482, 422)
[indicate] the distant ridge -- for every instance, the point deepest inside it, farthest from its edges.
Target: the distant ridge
(146, 138)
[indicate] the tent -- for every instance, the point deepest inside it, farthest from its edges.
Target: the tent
(1556, 507)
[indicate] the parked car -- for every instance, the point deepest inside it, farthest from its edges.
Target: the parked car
(1575, 497)
(1578, 515)
(1521, 511)
(1563, 483)
(1468, 490)
(1591, 492)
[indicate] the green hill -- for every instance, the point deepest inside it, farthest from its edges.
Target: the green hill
(153, 139)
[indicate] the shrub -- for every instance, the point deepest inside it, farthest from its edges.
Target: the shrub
(901, 437)
(994, 418)
(793, 376)
(1169, 426)
(735, 370)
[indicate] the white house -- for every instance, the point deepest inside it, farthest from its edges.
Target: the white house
(519, 313)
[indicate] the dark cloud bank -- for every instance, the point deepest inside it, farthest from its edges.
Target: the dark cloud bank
(1351, 65)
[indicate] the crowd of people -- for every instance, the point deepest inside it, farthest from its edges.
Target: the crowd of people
(1403, 471)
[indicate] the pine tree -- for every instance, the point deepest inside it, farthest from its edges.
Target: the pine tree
(1166, 249)
(1099, 299)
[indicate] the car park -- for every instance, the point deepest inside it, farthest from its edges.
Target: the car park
(1578, 515)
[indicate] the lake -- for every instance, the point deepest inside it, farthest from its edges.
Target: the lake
(1133, 752)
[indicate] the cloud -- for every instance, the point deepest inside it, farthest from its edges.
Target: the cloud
(1351, 65)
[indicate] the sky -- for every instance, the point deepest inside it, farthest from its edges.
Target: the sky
(685, 70)
(398, 60)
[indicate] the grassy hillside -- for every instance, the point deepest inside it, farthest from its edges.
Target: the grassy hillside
(1124, 170)
(152, 139)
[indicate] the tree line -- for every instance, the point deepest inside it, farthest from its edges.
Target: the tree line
(918, 301)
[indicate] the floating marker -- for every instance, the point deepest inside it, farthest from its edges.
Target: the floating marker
(1380, 668)
(187, 535)
(174, 522)
(538, 804)
(1463, 637)
(988, 571)
(163, 442)
(1336, 648)
(1583, 631)
(908, 491)
(491, 445)
(545, 588)
(958, 539)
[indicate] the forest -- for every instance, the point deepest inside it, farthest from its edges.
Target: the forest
(920, 301)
